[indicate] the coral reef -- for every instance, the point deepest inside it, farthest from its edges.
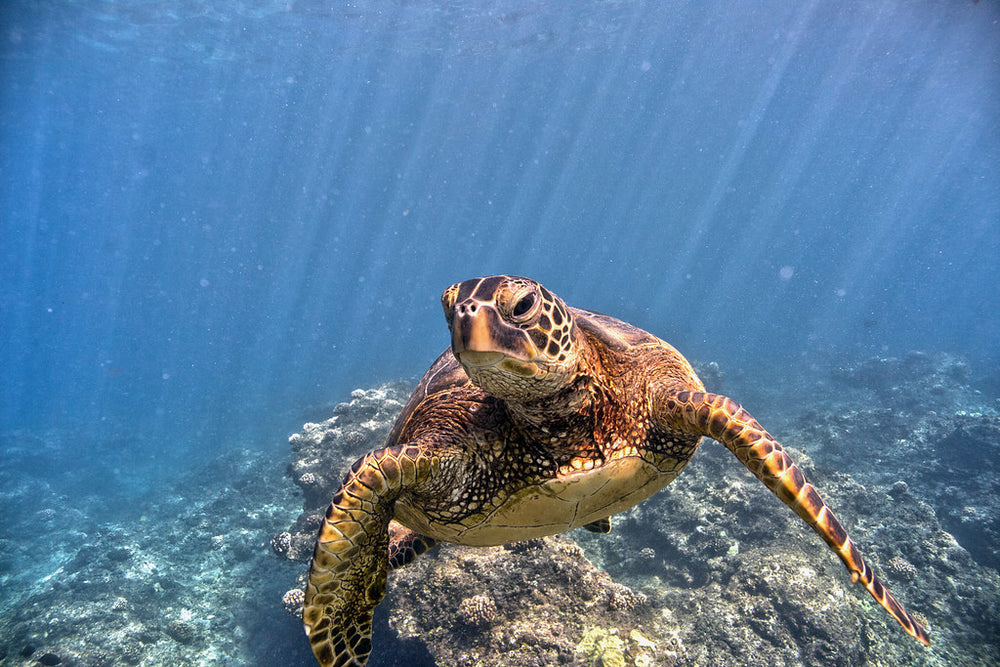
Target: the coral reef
(917, 425)
(293, 600)
(182, 582)
(478, 611)
(527, 603)
(713, 570)
(323, 452)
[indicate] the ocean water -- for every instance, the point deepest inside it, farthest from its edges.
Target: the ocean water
(218, 219)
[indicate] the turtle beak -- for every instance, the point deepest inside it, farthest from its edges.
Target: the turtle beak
(481, 339)
(486, 345)
(472, 334)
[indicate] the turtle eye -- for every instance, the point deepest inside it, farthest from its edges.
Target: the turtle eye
(524, 306)
(448, 300)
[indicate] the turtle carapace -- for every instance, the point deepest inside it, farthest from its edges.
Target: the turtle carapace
(539, 419)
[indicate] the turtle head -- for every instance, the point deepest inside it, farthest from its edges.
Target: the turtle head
(515, 339)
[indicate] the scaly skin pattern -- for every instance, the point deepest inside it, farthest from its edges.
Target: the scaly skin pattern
(348, 572)
(541, 418)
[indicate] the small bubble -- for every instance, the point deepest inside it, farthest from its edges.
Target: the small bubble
(203, 282)
(786, 272)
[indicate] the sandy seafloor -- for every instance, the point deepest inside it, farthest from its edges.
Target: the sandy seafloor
(713, 570)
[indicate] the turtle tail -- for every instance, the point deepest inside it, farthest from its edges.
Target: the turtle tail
(725, 420)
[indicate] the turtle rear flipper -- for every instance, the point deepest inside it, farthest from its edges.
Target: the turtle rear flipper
(724, 420)
(348, 571)
(599, 526)
(405, 545)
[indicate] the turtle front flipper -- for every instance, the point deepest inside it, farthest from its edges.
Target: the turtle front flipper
(348, 571)
(725, 420)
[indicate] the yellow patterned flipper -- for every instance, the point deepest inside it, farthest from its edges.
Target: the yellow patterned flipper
(725, 420)
(348, 572)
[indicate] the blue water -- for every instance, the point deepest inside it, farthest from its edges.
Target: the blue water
(216, 216)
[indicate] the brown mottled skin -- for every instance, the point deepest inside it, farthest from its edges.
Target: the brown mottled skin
(540, 418)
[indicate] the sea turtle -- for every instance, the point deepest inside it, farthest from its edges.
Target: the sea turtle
(539, 419)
